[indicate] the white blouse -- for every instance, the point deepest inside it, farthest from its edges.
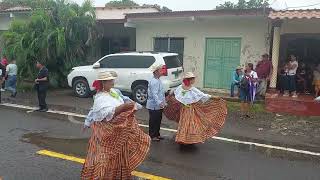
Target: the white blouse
(190, 96)
(104, 106)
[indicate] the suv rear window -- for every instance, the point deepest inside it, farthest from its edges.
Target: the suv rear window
(172, 61)
(125, 61)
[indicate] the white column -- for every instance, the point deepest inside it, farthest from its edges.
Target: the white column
(275, 56)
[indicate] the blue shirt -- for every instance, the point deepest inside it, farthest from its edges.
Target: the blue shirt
(235, 77)
(156, 94)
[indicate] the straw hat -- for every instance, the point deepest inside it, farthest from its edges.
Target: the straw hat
(114, 74)
(239, 68)
(156, 67)
(188, 75)
(106, 76)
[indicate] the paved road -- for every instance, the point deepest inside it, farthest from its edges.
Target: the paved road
(282, 130)
(23, 134)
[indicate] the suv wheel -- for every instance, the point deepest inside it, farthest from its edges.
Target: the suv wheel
(81, 88)
(140, 94)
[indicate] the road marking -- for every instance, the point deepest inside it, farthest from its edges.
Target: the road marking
(71, 119)
(81, 161)
(173, 130)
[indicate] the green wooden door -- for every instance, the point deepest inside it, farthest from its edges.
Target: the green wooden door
(222, 57)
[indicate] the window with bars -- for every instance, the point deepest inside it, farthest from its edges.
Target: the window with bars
(170, 44)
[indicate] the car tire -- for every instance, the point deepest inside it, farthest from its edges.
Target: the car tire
(140, 93)
(81, 88)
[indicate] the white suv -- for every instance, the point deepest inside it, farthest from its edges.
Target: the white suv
(133, 71)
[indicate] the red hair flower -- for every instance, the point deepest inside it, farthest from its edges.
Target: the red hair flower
(97, 85)
(187, 82)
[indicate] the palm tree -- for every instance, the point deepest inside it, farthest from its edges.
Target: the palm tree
(58, 33)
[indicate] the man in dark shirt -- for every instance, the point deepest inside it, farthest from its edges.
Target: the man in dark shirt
(2, 76)
(2, 72)
(42, 84)
(264, 70)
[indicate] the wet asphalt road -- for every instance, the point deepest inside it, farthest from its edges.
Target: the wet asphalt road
(23, 134)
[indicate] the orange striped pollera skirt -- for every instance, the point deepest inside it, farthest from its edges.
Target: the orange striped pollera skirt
(115, 149)
(198, 121)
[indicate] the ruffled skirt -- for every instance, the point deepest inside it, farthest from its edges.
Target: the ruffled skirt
(115, 149)
(198, 121)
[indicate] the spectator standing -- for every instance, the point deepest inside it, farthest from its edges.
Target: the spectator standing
(41, 85)
(4, 63)
(236, 77)
(11, 73)
(303, 78)
(316, 80)
(292, 71)
(264, 72)
(2, 72)
(2, 76)
(247, 89)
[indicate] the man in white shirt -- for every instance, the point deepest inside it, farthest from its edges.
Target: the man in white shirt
(292, 66)
(11, 83)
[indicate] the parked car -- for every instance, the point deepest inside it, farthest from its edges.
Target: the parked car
(134, 72)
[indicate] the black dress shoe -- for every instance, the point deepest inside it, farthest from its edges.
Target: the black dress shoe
(14, 95)
(43, 110)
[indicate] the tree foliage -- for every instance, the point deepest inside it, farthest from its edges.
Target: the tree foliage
(162, 9)
(130, 3)
(243, 4)
(122, 3)
(57, 33)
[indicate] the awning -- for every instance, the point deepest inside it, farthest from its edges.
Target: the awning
(295, 14)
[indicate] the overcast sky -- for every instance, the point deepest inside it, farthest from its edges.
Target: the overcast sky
(210, 4)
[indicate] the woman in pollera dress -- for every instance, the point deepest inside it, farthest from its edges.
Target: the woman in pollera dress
(200, 116)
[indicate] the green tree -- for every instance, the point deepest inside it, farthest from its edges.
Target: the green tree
(243, 4)
(130, 3)
(58, 33)
(162, 9)
(122, 3)
(165, 9)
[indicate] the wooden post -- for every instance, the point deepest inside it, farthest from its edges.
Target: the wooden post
(275, 54)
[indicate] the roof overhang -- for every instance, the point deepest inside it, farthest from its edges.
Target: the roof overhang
(203, 13)
(17, 9)
(295, 14)
(110, 21)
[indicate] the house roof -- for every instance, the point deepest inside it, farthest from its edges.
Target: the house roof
(119, 13)
(15, 9)
(22, 8)
(133, 7)
(295, 14)
(221, 12)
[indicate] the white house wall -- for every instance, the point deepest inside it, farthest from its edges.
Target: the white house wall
(253, 34)
(5, 23)
(6, 20)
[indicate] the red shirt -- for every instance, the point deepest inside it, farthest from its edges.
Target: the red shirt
(263, 69)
